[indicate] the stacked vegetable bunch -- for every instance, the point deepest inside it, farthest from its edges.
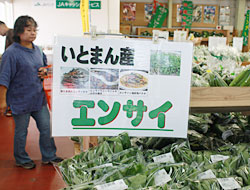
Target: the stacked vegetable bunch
(121, 163)
(220, 67)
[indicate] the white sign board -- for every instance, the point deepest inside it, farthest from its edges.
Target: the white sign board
(215, 42)
(238, 43)
(103, 87)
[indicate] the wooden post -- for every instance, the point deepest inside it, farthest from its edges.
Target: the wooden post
(228, 36)
(248, 42)
(240, 14)
(89, 142)
(170, 13)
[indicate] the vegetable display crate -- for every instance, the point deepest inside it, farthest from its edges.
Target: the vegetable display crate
(220, 99)
(77, 148)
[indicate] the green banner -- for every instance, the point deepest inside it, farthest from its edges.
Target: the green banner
(187, 14)
(245, 29)
(158, 18)
(68, 4)
(95, 4)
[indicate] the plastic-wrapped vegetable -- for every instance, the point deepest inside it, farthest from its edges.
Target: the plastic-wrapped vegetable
(211, 184)
(182, 152)
(246, 187)
(243, 79)
(139, 169)
(198, 81)
(214, 79)
(244, 172)
(75, 138)
(198, 141)
(231, 132)
(199, 122)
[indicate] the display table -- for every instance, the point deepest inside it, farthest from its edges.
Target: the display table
(220, 99)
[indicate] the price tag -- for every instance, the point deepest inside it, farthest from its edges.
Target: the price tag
(115, 185)
(217, 158)
(228, 183)
(238, 43)
(164, 158)
(103, 166)
(206, 175)
(161, 177)
(214, 42)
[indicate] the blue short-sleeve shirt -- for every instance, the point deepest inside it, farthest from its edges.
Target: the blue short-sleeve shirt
(19, 73)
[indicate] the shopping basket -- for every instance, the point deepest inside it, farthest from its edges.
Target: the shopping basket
(47, 85)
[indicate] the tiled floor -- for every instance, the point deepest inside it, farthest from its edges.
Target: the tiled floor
(43, 177)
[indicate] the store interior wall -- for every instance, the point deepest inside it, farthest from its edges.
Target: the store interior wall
(230, 3)
(52, 21)
(108, 18)
(6, 16)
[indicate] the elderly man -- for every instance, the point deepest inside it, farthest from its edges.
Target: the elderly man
(5, 31)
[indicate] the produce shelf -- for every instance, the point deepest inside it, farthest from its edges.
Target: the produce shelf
(219, 99)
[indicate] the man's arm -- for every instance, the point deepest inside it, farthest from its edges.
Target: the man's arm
(3, 104)
(9, 38)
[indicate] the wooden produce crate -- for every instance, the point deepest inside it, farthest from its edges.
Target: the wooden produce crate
(77, 148)
(87, 143)
(226, 33)
(220, 99)
(125, 29)
(139, 30)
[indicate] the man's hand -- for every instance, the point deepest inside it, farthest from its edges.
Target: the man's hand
(3, 107)
(3, 104)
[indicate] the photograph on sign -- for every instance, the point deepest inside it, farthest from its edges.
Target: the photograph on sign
(129, 10)
(133, 80)
(224, 16)
(148, 11)
(179, 13)
(116, 85)
(165, 63)
(104, 78)
(197, 13)
(209, 14)
(74, 78)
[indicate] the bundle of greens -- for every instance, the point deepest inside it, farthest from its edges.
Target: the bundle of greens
(225, 61)
(199, 122)
(175, 166)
